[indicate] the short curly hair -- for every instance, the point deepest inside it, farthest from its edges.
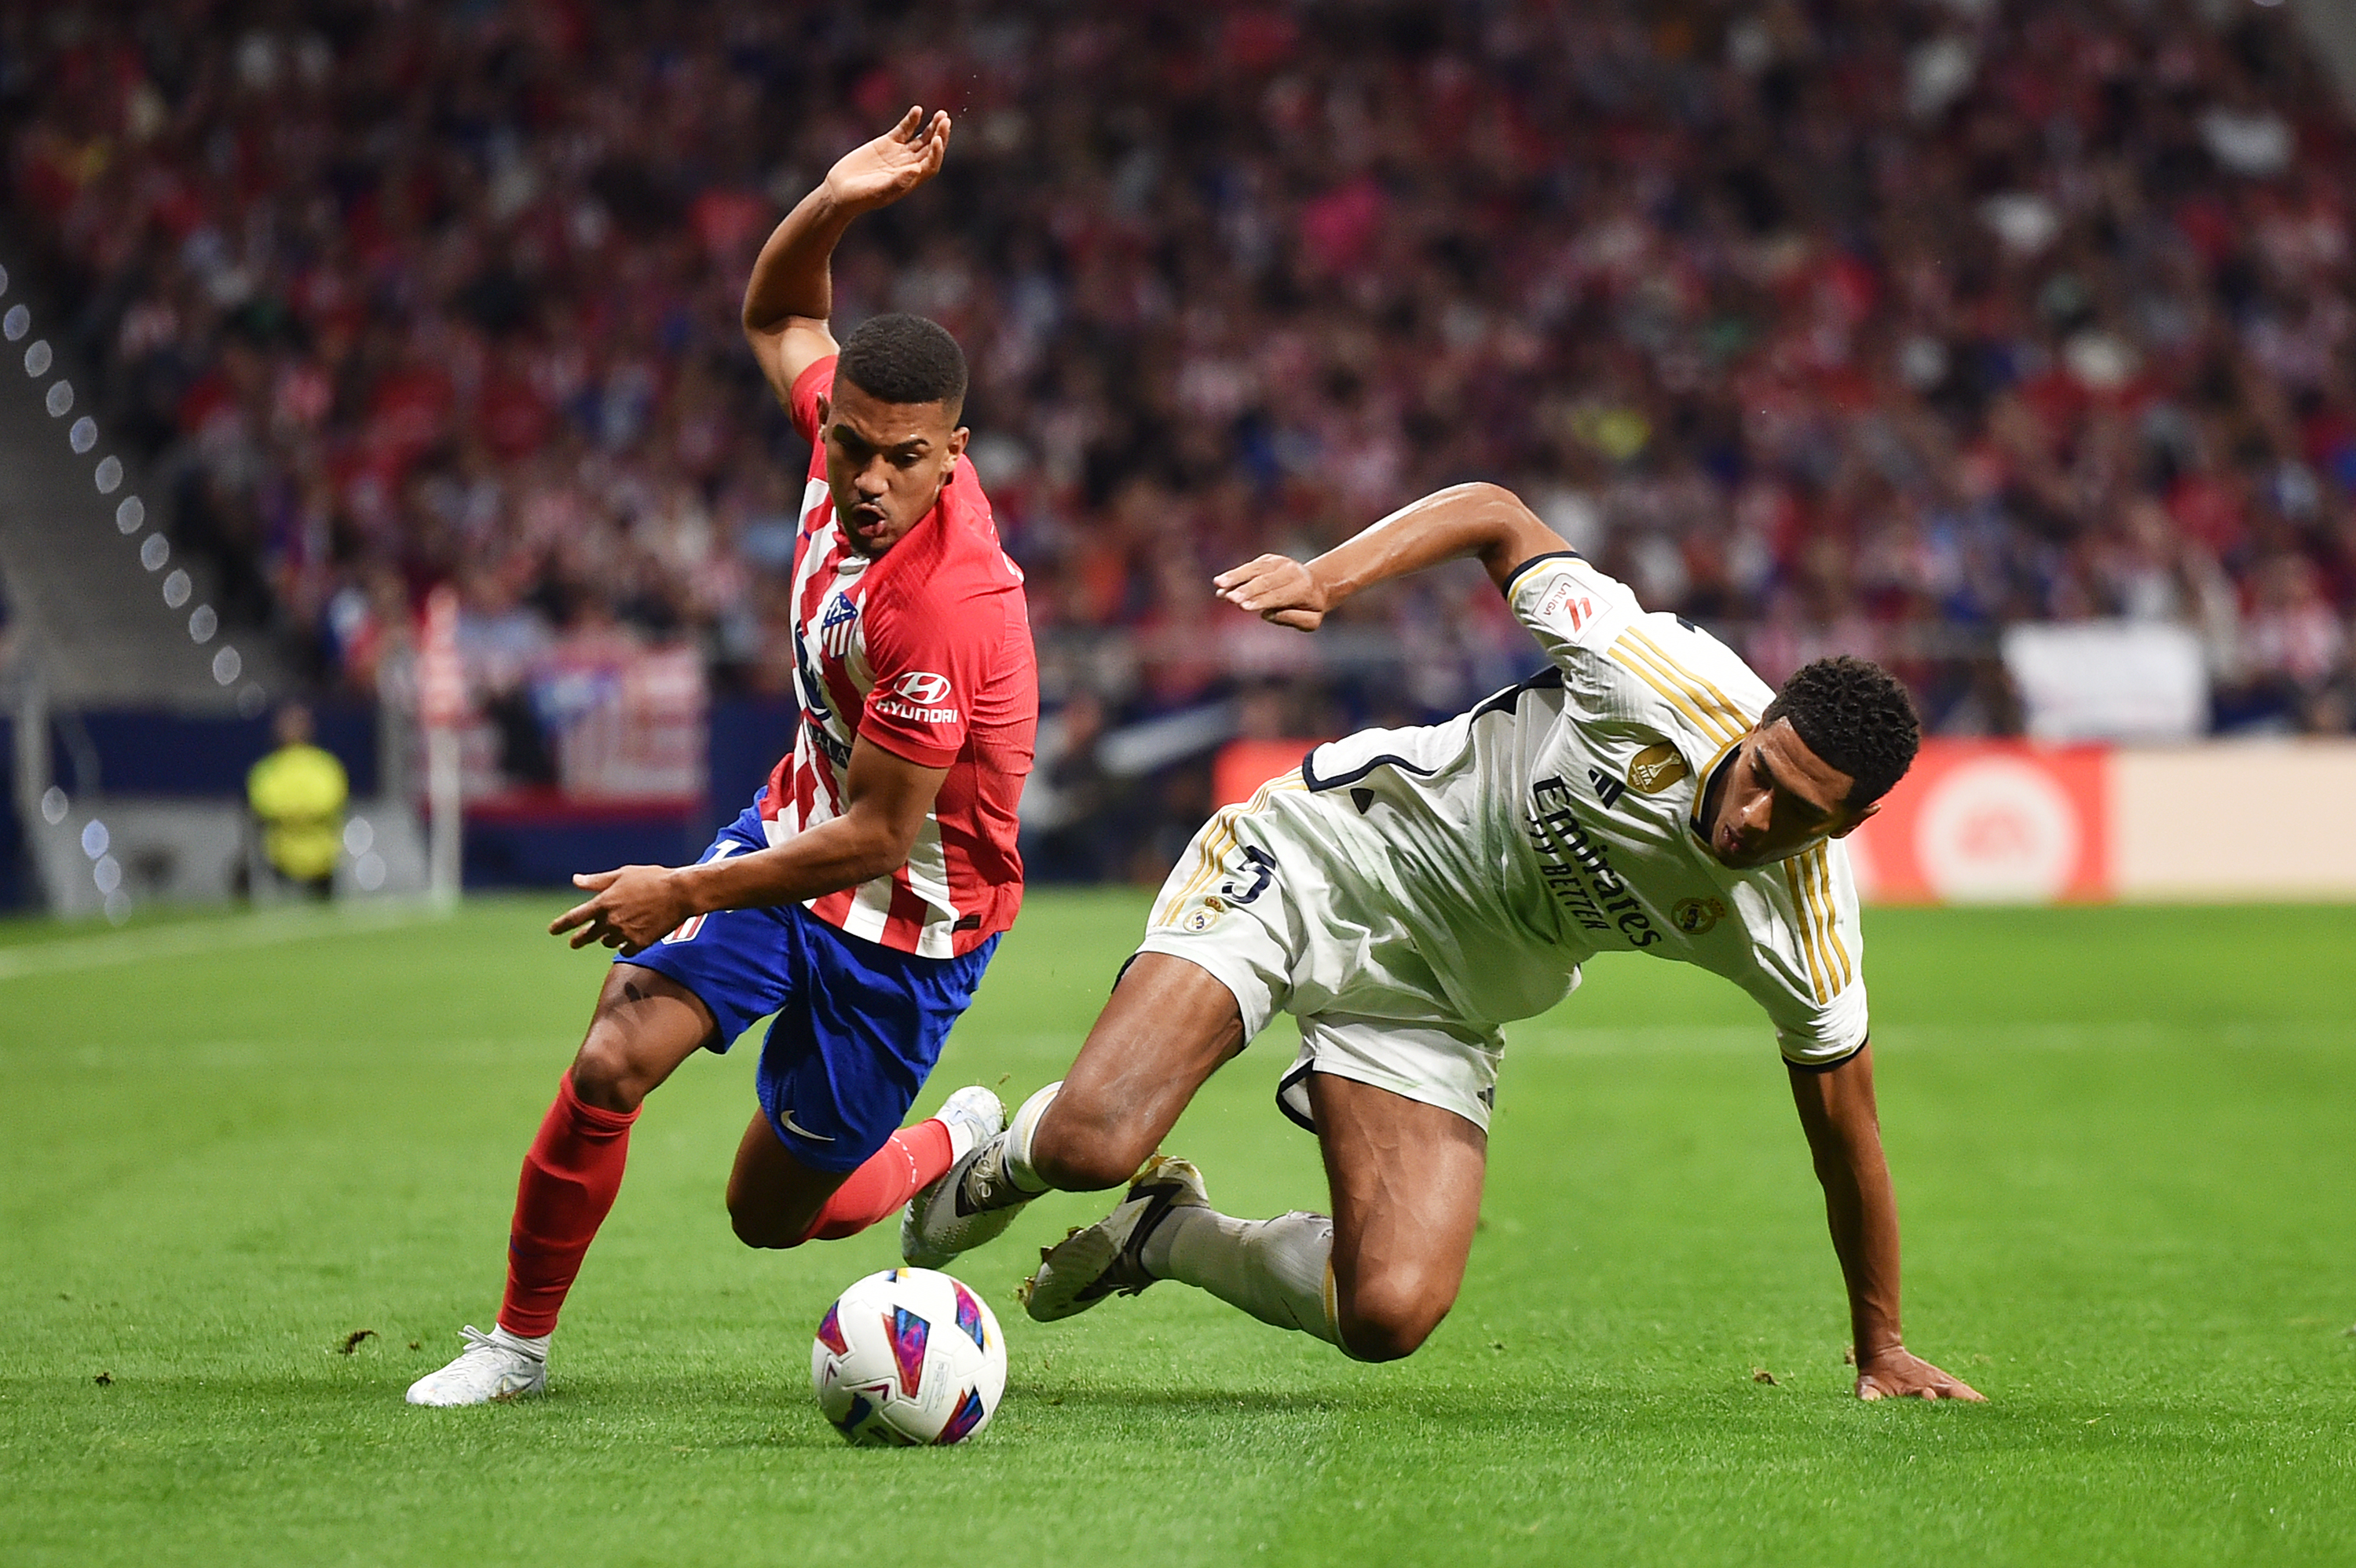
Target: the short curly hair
(1856, 716)
(904, 359)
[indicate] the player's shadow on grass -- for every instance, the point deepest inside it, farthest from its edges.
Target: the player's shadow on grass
(1508, 1406)
(795, 1427)
(1501, 1407)
(1259, 1401)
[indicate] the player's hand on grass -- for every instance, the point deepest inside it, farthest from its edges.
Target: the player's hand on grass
(890, 167)
(1277, 589)
(636, 907)
(1900, 1374)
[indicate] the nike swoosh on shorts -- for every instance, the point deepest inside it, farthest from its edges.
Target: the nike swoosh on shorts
(786, 1117)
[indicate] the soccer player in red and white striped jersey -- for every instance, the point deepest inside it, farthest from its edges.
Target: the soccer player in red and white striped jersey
(924, 651)
(862, 892)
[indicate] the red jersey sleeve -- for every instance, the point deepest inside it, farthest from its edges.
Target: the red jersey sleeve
(931, 660)
(812, 384)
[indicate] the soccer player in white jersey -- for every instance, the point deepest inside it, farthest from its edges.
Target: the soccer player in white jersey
(1407, 892)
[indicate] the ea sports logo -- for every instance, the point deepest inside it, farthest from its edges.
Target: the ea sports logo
(922, 687)
(1998, 830)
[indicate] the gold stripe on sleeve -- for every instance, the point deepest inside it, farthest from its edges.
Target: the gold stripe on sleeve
(1702, 689)
(1633, 660)
(1820, 858)
(1806, 928)
(1718, 725)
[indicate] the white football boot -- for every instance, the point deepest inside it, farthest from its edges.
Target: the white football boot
(975, 1116)
(976, 1201)
(1107, 1257)
(494, 1366)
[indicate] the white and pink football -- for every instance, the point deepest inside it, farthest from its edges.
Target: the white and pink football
(908, 1357)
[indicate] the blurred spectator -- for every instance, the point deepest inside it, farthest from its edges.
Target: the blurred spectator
(1871, 325)
(1072, 830)
(297, 795)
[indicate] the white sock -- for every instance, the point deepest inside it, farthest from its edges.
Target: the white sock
(535, 1347)
(1280, 1270)
(961, 1140)
(1018, 1134)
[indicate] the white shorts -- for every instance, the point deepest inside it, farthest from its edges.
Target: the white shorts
(1254, 902)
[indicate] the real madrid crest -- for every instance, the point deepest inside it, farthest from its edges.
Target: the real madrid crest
(1695, 916)
(1203, 915)
(1655, 768)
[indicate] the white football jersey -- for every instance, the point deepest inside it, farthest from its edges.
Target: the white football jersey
(1557, 820)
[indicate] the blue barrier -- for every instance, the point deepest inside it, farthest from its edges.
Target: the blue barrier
(517, 844)
(748, 735)
(16, 890)
(526, 846)
(157, 751)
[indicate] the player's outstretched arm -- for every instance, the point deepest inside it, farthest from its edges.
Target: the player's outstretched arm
(791, 294)
(1484, 520)
(1844, 1128)
(887, 800)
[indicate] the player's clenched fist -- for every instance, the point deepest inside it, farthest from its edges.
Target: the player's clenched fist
(889, 168)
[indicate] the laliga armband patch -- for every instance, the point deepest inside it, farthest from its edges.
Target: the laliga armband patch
(1566, 600)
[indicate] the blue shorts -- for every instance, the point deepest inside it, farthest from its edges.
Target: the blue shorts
(859, 1025)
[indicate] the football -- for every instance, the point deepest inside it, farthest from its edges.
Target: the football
(907, 1357)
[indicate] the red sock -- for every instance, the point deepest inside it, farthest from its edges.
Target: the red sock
(570, 1178)
(916, 1157)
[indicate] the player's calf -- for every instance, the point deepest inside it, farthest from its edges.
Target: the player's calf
(1085, 1144)
(774, 1200)
(1280, 1271)
(1169, 1024)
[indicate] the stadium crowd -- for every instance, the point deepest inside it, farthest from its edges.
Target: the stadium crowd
(1847, 323)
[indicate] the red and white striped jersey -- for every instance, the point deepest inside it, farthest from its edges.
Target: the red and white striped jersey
(924, 651)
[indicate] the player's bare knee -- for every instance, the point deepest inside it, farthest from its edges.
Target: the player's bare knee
(603, 1074)
(1384, 1338)
(1389, 1320)
(764, 1234)
(761, 1225)
(636, 1037)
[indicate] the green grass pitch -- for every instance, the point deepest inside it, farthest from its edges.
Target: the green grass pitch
(2122, 1140)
